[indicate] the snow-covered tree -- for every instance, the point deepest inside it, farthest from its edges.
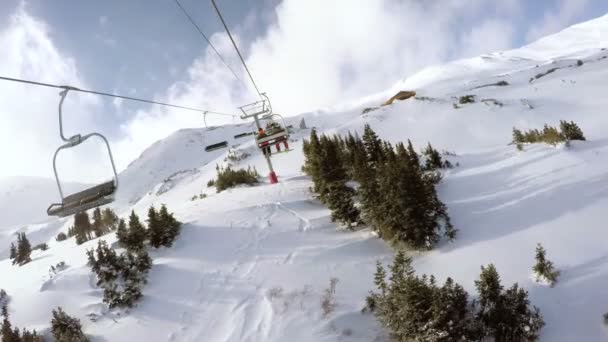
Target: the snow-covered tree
(66, 328)
(120, 276)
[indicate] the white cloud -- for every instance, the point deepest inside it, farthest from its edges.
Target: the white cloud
(490, 36)
(319, 53)
(315, 53)
(566, 13)
(29, 132)
(209, 85)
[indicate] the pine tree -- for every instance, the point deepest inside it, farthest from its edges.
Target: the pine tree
(451, 317)
(551, 135)
(120, 276)
(136, 236)
(340, 201)
(98, 227)
(433, 158)
(109, 219)
(412, 155)
(24, 249)
(6, 330)
(505, 315)
(571, 131)
(66, 328)
(373, 146)
(82, 227)
(155, 228)
(330, 169)
(171, 226)
(13, 253)
(122, 232)
(543, 267)
(518, 137)
(519, 321)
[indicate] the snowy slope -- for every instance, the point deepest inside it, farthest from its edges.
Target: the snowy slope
(252, 262)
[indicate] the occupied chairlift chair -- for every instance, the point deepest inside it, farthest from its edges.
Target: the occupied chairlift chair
(274, 133)
(89, 198)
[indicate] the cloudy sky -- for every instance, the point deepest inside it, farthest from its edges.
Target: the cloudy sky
(305, 53)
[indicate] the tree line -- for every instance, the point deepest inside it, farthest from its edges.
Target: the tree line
(417, 308)
(395, 187)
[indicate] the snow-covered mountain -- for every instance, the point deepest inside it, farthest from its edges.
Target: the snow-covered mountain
(252, 262)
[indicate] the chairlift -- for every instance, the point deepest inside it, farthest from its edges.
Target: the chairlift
(242, 135)
(90, 198)
(217, 146)
(274, 132)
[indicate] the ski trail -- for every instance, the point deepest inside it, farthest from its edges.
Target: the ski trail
(219, 315)
(304, 222)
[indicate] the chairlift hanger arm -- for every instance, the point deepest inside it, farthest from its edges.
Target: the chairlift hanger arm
(89, 198)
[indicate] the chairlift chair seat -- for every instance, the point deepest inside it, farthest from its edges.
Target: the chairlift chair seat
(217, 146)
(84, 200)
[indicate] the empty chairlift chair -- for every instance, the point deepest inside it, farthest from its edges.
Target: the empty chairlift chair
(217, 146)
(93, 197)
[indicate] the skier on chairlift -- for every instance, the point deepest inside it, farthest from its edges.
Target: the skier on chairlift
(265, 149)
(271, 127)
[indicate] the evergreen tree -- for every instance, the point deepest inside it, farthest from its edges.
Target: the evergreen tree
(120, 276)
(520, 322)
(518, 136)
(98, 227)
(433, 159)
(136, 236)
(340, 201)
(543, 267)
(373, 146)
(109, 219)
(551, 135)
(6, 330)
(24, 249)
(155, 228)
(412, 155)
(171, 226)
(122, 233)
(330, 169)
(66, 328)
(571, 131)
(13, 253)
(82, 227)
(505, 315)
(312, 155)
(16, 335)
